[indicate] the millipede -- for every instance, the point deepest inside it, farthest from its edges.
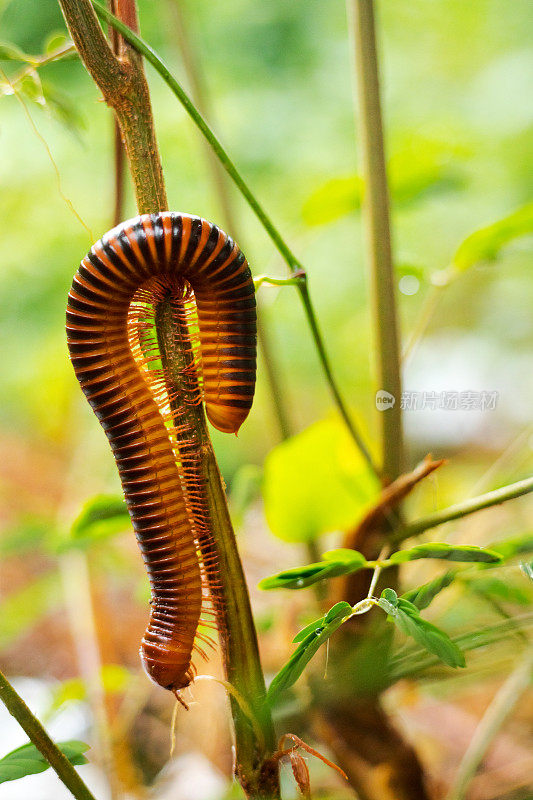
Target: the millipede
(189, 266)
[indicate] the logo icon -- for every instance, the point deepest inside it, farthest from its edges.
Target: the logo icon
(384, 400)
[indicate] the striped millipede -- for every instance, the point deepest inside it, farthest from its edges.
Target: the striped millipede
(200, 274)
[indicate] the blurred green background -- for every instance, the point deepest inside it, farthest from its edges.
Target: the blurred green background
(456, 93)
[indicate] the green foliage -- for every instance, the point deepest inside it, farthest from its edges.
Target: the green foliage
(309, 641)
(316, 482)
(333, 566)
(423, 596)
(407, 617)
(486, 243)
(422, 168)
(101, 517)
(27, 760)
(446, 551)
(527, 569)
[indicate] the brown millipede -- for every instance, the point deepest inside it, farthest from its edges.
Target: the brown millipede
(202, 274)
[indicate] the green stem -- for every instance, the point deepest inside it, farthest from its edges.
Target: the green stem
(126, 91)
(494, 717)
(377, 225)
(460, 510)
(288, 256)
(235, 621)
(35, 731)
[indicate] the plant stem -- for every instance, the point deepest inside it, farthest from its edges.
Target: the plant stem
(123, 85)
(234, 615)
(282, 247)
(377, 225)
(257, 775)
(460, 510)
(494, 717)
(35, 731)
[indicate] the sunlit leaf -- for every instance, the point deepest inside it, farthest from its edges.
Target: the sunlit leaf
(422, 168)
(447, 552)
(316, 482)
(55, 41)
(333, 200)
(423, 596)
(27, 760)
(345, 555)
(319, 633)
(486, 243)
(407, 618)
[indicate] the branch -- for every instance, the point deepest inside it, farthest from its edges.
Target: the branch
(31, 725)
(377, 224)
(288, 256)
(123, 85)
(460, 510)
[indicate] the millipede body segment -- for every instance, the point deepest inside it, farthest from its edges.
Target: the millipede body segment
(202, 276)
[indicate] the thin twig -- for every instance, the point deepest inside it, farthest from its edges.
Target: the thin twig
(493, 719)
(37, 734)
(460, 510)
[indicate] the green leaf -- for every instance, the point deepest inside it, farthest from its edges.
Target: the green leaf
(27, 760)
(423, 596)
(422, 168)
(513, 547)
(318, 633)
(464, 552)
(388, 602)
(10, 52)
(336, 563)
(333, 200)
(301, 577)
(316, 482)
(407, 618)
(345, 555)
(31, 87)
(55, 41)
(101, 516)
(527, 569)
(486, 243)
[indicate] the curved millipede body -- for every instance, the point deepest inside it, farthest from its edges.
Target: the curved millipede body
(165, 257)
